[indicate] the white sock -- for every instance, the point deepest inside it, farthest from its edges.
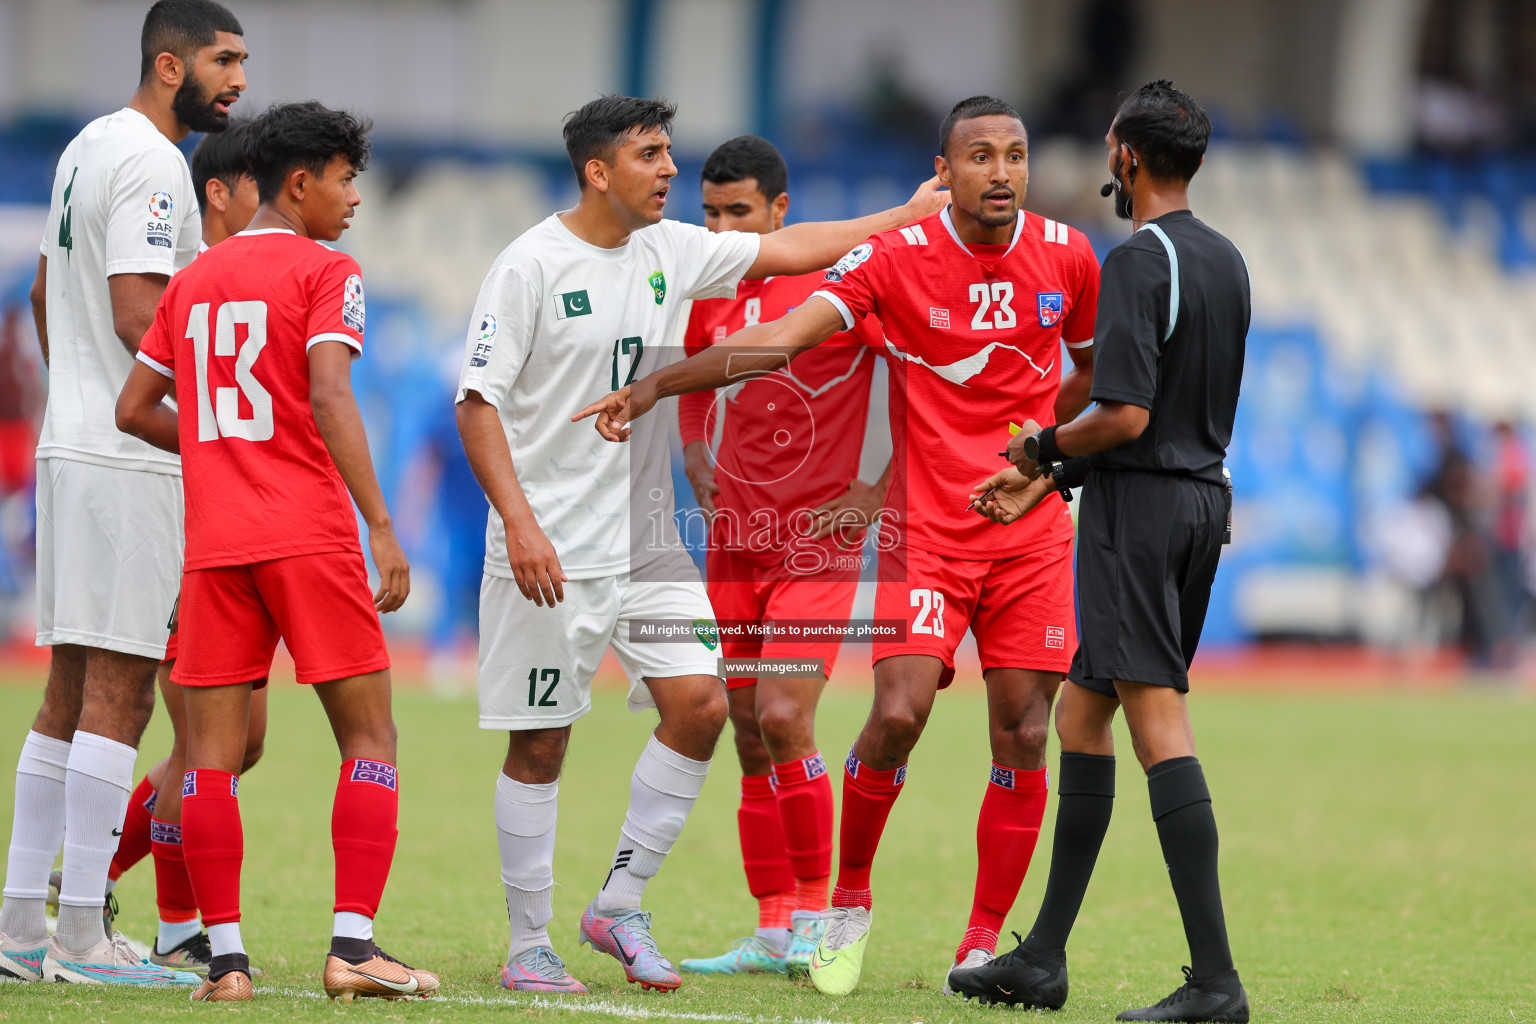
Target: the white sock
(37, 832)
(352, 926)
(225, 938)
(174, 933)
(525, 832)
(776, 938)
(96, 791)
(662, 791)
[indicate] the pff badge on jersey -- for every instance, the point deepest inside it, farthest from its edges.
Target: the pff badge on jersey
(569, 304)
(1050, 307)
(659, 286)
(485, 342)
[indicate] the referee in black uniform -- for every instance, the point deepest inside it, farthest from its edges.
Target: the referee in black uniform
(1172, 321)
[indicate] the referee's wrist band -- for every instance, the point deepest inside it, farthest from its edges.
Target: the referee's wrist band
(1048, 450)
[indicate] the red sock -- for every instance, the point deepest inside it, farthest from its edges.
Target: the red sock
(769, 878)
(868, 796)
(805, 811)
(363, 833)
(213, 842)
(1006, 831)
(173, 886)
(134, 844)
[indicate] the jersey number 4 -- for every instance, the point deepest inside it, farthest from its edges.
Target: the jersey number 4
(1000, 292)
(218, 414)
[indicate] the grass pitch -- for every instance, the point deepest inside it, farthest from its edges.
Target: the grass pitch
(1377, 863)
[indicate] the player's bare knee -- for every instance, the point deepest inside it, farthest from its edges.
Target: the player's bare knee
(1022, 742)
(535, 756)
(784, 726)
(898, 726)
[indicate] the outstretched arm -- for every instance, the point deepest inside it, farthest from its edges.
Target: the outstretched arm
(803, 248)
(753, 352)
(341, 428)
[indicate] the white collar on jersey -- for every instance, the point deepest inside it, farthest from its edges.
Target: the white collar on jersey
(949, 225)
(265, 231)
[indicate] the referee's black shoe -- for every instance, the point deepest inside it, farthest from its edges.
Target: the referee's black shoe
(1017, 978)
(1220, 998)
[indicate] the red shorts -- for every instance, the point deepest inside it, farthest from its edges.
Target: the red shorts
(742, 590)
(320, 605)
(1020, 609)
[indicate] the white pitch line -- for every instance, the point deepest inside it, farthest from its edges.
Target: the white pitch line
(578, 1005)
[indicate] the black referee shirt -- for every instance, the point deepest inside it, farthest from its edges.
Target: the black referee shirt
(1186, 375)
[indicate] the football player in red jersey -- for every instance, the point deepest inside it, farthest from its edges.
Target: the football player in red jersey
(789, 454)
(226, 198)
(975, 303)
(263, 329)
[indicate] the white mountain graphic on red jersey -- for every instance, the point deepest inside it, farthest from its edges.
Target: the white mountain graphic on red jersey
(963, 370)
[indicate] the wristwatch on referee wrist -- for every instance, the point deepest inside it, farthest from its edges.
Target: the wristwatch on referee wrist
(1058, 471)
(1041, 448)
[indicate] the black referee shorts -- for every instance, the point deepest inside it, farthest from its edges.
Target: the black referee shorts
(1147, 548)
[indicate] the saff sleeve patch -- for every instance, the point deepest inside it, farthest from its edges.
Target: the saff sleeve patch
(352, 305)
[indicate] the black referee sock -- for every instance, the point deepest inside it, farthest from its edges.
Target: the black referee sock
(1085, 798)
(1186, 827)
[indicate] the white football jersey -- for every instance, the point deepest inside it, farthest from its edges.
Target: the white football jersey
(559, 324)
(122, 203)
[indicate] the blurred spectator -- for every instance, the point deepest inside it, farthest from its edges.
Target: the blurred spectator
(1470, 569)
(1457, 113)
(1414, 541)
(1515, 28)
(1109, 37)
(1512, 481)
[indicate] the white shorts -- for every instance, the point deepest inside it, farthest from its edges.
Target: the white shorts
(536, 664)
(109, 547)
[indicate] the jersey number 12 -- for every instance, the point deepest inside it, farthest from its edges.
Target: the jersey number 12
(218, 414)
(623, 347)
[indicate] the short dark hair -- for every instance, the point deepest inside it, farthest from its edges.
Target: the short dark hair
(219, 155)
(598, 129)
(1166, 128)
(974, 106)
(307, 135)
(748, 156)
(182, 27)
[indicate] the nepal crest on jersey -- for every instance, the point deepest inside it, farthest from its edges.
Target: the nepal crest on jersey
(1050, 307)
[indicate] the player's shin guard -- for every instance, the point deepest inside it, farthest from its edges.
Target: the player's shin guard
(1006, 832)
(96, 789)
(173, 885)
(662, 791)
(363, 833)
(763, 855)
(134, 845)
(525, 835)
(868, 796)
(37, 833)
(1085, 799)
(1186, 828)
(805, 811)
(213, 843)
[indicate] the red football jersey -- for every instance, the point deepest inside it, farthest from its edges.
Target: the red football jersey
(791, 439)
(973, 337)
(234, 330)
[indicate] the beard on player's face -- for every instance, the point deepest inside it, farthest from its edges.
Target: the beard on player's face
(195, 106)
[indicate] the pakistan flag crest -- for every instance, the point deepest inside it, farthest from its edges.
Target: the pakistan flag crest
(659, 286)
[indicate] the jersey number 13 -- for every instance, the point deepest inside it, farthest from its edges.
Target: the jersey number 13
(218, 415)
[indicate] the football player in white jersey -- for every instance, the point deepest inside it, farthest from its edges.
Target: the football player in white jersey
(123, 219)
(581, 549)
(226, 199)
